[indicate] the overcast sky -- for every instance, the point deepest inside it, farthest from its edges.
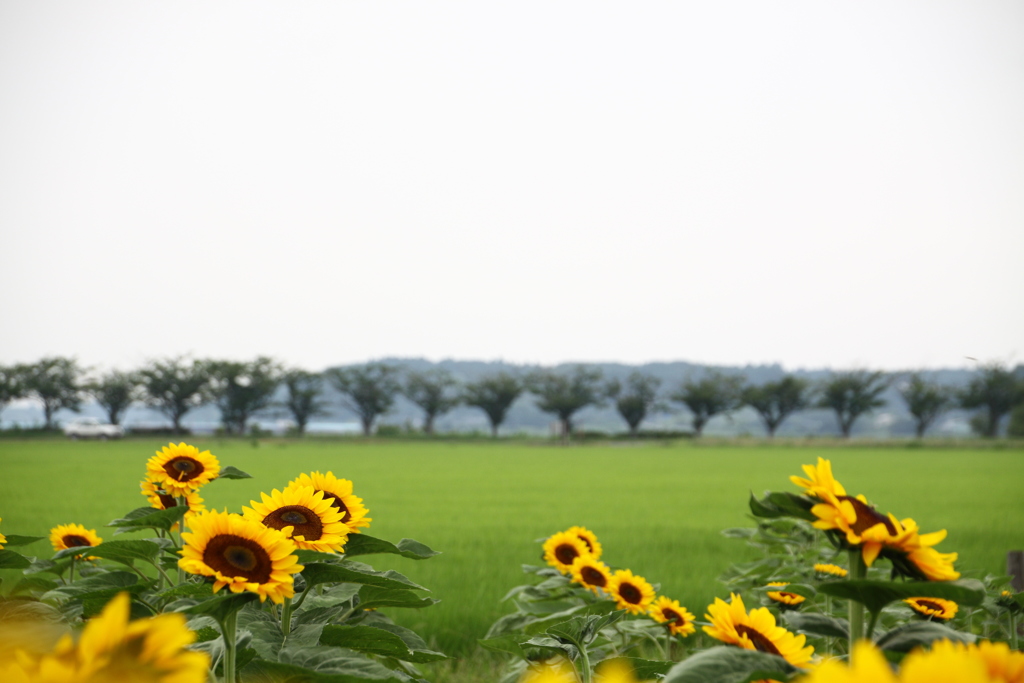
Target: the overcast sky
(816, 183)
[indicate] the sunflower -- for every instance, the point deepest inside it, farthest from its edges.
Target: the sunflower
(240, 554)
(339, 493)
(631, 593)
(65, 536)
(933, 608)
(303, 515)
(785, 599)
(677, 619)
(590, 573)
(820, 481)
(616, 671)
(757, 630)
(562, 549)
(1003, 664)
(180, 468)
(911, 552)
(113, 649)
(589, 539)
(827, 571)
(940, 665)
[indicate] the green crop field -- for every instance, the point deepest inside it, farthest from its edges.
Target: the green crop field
(658, 509)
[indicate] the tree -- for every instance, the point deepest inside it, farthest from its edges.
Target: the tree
(996, 390)
(304, 391)
(55, 382)
(852, 394)
(115, 391)
(775, 401)
(638, 399)
(715, 394)
(242, 389)
(494, 395)
(174, 387)
(12, 384)
(435, 391)
(369, 390)
(925, 400)
(565, 394)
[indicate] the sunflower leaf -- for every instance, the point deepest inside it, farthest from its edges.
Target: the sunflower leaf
(598, 608)
(33, 583)
(372, 597)
(362, 544)
(72, 552)
(115, 580)
(14, 541)
(729, 665)
(319, 665)
(644, 669)
(818, 624)
(782, 504)
(877, 594)
(12, 560)
(149, 518)
(127, 552)
(376, 641)
(581, 630)
(186, 590)
(229, 472)
(905, 638)
(222, 605)
(356, 572)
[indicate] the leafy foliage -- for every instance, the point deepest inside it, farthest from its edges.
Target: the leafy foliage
(714, 394)
(563, 395)
(369, 390)
(494, 395)
(434, 391)
(775, 401)
(851, 395)
(174, 387)
(637, 399)
(241, 390)
(56, 382)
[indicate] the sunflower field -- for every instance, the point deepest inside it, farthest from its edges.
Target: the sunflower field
(829, 589)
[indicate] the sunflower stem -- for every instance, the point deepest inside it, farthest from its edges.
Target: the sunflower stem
(302, 598)
(227, 629)
(181, 572)
(286, 616)
(1014, 645)
(668, 644)
(71, 570)
(585, 674)
(858, 570)
(871, 624)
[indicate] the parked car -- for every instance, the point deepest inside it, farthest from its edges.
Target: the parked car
(91, 428)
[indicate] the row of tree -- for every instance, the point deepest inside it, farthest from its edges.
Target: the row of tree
(242, 390)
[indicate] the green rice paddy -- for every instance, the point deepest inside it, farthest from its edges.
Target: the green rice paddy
(658, 509)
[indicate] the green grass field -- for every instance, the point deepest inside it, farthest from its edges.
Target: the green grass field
(657, 508)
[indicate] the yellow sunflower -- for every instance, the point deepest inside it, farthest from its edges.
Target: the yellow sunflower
(731, 624)
(830, 570)
(303, 515)
(940, 665)
(240, 554)
(1003, 664)
(161, 500)
(112, 649)
(590, 573)
(676, 618)
(631, 593)
(910, 550)
(562, 549)
(933, 608)
(785, 599)
(339, 493)
(589, 539)
(819, 482)
(65, 536)
(180, 468)
(616, 671)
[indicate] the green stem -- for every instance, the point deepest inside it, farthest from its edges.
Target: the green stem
(181, 572)
(227, 629)
(668, 644)
(871, 624)
(587, 676)
(286, 617)
(857, 571)
(71, 570)
(1014, 645)
(302, 598)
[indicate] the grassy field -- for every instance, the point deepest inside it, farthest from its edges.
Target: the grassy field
(657, 508)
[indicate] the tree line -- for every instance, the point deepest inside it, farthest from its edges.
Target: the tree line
(241, 390)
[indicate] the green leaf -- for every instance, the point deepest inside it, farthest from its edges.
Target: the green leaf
(93, 604)
(12, 560)
(363, 544)
(149, 518)
(877, 594)
(510, 643)
(307, 556)
(115, 580)
(33, 611)
(229, 472)
(331, 666)
(356, 572)
(581, 630)
(76, 551)
(905, 638)
(376, 641)
(643, 669)
(541, 625)
(222, 605)
(188, 589)
(374, 597)
(782, 504)
(14, 541)
(817, 624)
(127, 552)
(729, 665)
(33, 583)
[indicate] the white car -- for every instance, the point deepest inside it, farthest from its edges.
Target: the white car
(91, 428)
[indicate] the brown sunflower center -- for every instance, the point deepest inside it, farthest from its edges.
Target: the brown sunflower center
(566, 553)
(306, 522)
(183, 468)
(336, 502)
(931, 605)
(673, 616)
(76, 541)
(867, 517)
(761, 643)
(236, 556)
(630, 593)
(593, 577)
(586, 542)
(167, 500)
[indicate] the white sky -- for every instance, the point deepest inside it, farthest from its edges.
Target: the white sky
(813, 183)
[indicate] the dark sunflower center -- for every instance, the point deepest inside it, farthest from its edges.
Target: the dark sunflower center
(306, 522)
(673, 616)
(586, 543)
(593, 577)
(76, 541)
(167, 500)
(867, 517)
(183, 468)
(761, 643)
(566, 553)
(336, 502)
(236, 556)
(786, 596)
(630, 593)
(931, 605)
